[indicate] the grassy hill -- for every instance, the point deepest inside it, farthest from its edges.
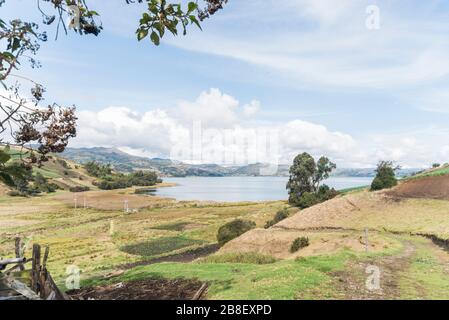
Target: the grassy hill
(64, 173)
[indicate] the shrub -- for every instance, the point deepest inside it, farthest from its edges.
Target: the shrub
(16, 193)
(385, 176)
(299, 243)
(63, 163)
(280, 215)
(41, 184)
(307, 199)
(436, 165)
(233, 229)
(79, 189)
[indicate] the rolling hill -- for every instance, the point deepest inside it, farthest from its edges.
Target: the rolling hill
(125, 162)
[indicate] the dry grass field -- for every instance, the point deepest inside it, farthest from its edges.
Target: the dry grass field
(166, 239)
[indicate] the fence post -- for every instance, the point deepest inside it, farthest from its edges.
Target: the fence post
(366, 240)
(18, 252)
(36, 268)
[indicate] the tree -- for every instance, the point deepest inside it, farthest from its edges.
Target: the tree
(436, 165)
(24, 122)
(305, 177)
(385, 176)
(48, 129)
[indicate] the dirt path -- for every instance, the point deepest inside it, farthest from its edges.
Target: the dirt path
(393, 270)
(353, 281)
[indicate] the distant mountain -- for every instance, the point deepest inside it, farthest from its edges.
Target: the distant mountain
(124, 162)
(369, 172)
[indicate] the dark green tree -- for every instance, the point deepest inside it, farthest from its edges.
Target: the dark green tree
(385, 176)
(303, 187)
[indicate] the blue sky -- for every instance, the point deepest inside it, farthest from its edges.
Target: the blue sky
(311, 66)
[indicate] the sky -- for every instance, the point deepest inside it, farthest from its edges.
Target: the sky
(357, 81)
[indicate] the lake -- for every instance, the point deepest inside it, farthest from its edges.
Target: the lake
(242, 188)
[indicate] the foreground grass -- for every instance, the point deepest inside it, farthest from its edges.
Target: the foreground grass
(427, 276)
(97, 241)
(278, 280)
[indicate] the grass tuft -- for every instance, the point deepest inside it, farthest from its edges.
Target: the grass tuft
(240, 257)
(160, 246)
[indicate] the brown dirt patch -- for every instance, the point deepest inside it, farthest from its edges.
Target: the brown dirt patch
(276, 242)
(112, 199)
(150, 289)
(428, 188)
(332, 212)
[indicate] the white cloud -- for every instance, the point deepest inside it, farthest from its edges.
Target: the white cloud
(213, 108)
(302, 135)
(229, 137)
(251, 108)
(157, 133)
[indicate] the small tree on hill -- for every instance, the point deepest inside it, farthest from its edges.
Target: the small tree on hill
(306, 176)
(385, 176)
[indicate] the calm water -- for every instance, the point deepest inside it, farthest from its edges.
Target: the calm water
(241, 188)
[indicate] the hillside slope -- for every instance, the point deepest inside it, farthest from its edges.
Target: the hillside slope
(62, 172)
(416, 206)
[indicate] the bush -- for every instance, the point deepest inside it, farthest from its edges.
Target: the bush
(436, 165)
(385, 176)
(309, 199)
(280, 215)
(63, 163)
(299, 243)
(16, 193)
(41, 184)
(79, 189)
(233, 229)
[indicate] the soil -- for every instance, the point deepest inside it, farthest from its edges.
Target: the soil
(187, 256)
(112, 199)
(429, 188)
(149, 289)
